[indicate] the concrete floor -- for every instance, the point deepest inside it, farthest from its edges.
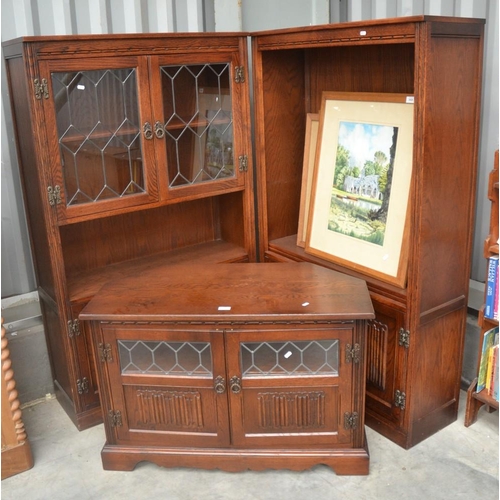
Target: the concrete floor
(456, 463)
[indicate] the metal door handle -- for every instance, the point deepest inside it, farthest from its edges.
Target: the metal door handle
(235, 384)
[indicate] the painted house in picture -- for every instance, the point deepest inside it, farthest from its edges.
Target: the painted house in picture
(364, 186)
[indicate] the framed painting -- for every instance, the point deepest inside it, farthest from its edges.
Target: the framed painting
(312, 125)
(361, 184)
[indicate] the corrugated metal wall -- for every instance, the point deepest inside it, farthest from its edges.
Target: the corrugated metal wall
(49, 17)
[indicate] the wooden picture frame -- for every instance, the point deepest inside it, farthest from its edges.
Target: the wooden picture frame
(359, 204)
(312, 127)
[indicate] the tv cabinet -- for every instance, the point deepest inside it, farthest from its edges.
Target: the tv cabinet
(233, 366)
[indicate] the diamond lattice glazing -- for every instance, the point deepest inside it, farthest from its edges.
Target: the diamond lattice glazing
(166, 358)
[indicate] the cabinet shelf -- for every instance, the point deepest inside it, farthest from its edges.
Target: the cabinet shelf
(83, 286)
(288, 249)
(197, 123)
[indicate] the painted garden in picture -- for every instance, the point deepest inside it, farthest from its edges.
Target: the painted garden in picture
(362, 180)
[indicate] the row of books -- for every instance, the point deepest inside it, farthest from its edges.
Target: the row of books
(488, 377)
(492, 296)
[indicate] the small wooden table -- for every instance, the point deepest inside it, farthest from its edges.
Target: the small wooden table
(233, 366)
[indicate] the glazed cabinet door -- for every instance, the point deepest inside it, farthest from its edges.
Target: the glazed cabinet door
(100, 153)
(387, 353)
(290, 388)
(166, 387)
(199, 123)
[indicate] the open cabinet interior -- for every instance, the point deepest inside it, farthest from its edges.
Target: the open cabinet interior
(300, 76)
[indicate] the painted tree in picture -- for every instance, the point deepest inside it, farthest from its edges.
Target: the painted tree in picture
(362, 180)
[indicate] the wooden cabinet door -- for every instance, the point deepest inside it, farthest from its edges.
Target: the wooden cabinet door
(199, 123)
(168, 386)
(100, 153)
(289, 387)
(86, 381)
(386, 364)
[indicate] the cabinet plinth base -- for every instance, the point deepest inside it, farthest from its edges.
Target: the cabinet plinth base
(343, 462)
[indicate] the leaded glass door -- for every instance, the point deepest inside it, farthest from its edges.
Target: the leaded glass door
(198, 124)
(289, 387)
(99, 152)
(168, 385)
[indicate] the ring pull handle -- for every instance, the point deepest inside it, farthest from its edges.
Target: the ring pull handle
(159, 130)
(235, 384)
(147, 131)
(220, 385)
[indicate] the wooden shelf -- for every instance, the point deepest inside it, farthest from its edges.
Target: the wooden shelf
(288, 248)
(83, 286)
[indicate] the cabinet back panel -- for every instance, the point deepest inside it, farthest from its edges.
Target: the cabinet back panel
(382, 68)
(284, 96)
(101, 242)
(288, 95)
(230, 215)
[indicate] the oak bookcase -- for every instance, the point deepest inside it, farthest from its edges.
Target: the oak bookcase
(475, 400)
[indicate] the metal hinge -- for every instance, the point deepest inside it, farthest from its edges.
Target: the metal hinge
(243, 159)
(82, 385)
(351, 420)
(400, 400)
(239, 74)
(54, 194)
(105, 352)
(352, 353)
(41, 88)
(73, 328)
(115, 418)
(404, 338)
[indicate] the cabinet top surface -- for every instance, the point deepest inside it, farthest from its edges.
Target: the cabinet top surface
(407, 20)
(233, 292)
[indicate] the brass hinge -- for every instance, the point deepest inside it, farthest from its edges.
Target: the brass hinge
(239, 74)
(105, 352)
(404, 338)
(41, 88)
(115, 418)
(400, 400)
(73, 328)
(351, 420)
(54, 194)
(352, 353)
(82, 385)
(243, 159)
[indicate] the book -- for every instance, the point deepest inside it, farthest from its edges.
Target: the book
(492, 277)
(489, 370)
(497, 297)
(496, 360)
(492, 369)
(488, 341)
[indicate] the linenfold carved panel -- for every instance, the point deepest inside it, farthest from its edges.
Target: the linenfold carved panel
(167, 408)
(285, 410)
(377, 338)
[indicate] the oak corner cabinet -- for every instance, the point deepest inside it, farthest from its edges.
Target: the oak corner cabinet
(116, 182)
(135, 154)
(416, 341)
(233, 366)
